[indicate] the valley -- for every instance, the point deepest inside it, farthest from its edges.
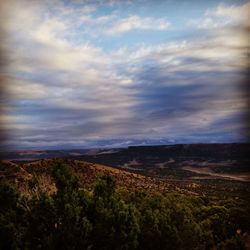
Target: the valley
(219, 170)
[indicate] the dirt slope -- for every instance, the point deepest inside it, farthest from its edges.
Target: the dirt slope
(87, 172)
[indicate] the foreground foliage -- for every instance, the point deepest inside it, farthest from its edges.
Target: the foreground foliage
(103, 218)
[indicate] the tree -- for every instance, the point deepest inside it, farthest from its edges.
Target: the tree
(9, 221)
(115, 224)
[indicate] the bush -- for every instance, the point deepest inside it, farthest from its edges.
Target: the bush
(74, 218)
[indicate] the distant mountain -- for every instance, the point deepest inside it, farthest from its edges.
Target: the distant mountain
(31, 155)
(222, 151)
(227, 151)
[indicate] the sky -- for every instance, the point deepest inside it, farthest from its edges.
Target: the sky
(114, 73)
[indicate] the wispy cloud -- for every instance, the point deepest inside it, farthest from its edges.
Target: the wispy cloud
(224, 16)
(138, 23)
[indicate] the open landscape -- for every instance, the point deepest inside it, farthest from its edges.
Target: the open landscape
(208, 179)
(124, 125)
(200, 169)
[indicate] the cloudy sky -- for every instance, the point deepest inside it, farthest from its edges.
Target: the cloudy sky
(83, 73)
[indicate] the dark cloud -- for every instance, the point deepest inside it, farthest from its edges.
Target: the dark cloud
(4, 60)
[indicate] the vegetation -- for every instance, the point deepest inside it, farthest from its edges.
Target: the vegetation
(73, 217)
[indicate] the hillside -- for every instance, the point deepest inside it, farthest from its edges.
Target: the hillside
(21, 173)
(150, 174)
(50, 208)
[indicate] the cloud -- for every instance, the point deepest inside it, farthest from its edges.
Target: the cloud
(223, 16)
(238, 13)
(88, 9)
(25, 90)
(58, 82)
(138, 23)
(63, 89)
